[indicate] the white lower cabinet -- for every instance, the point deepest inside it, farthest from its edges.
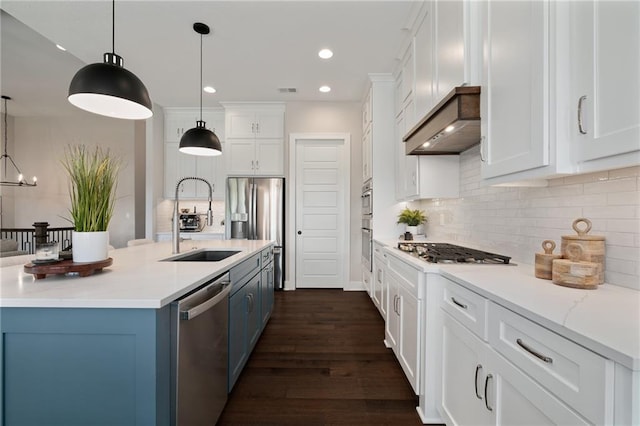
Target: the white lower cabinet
(378, 283)
(367, 280)
(518, 372)
(404, 312)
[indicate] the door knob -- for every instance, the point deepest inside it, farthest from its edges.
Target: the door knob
(299, 232)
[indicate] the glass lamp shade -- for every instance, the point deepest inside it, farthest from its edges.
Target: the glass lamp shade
(200, 141)
(111, 90)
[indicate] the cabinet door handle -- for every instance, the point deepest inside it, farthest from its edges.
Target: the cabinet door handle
(257, 127)
(475, 382)
(257, 164)
(252, 165)
(580, 124)
(533, 352)
(462, 305)
(482, 140)
(486, 385)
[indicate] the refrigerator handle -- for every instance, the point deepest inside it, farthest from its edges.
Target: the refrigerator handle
(254, 212)
(278, 268)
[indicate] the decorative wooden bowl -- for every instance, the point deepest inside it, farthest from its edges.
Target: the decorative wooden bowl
(66, 266)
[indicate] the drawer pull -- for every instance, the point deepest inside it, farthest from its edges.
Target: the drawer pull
(475, 382)
(462, 305)
(486, 385)
(534, 352)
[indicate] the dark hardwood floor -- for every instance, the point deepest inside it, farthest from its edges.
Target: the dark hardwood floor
(321, 361)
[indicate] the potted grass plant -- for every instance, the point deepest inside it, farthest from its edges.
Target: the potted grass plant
(93, 179)
(412, 219)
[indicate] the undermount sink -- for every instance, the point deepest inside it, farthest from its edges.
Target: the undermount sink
(203, 256)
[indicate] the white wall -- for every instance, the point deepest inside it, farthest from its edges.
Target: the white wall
(515, 221)
(39, 146)
(338, 117)
(154, 169)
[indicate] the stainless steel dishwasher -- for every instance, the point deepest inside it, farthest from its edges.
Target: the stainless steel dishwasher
(199, 353)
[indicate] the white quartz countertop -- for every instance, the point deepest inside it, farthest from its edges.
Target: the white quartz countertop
(138, 278)
(605, 320)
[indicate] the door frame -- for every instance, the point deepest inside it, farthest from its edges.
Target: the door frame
(294, 138)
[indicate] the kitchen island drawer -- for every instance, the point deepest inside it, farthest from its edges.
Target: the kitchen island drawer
(466, 306)
(242, 273)
(579, 377)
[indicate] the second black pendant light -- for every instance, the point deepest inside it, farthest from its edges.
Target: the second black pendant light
(200, 140)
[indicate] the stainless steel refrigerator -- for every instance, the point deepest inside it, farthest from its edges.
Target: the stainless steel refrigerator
(255, 211)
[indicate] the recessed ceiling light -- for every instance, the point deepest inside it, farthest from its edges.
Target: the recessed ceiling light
(324, 89)
(209, 89)
(61, 48)
(325, 53)
(449, 128)
(426, 144)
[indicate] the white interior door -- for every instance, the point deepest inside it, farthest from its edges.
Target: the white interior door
(321, 212)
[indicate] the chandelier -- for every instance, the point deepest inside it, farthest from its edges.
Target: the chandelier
(20, 181)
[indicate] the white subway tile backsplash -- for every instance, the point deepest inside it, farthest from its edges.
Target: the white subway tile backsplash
(626, 172)
(589, 177)
(631, 198)
(623, 253)
(515, 220)
(617, 185)
(611, 212)
(623, 225)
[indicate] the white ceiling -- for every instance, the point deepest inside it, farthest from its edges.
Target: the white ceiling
(255, 48)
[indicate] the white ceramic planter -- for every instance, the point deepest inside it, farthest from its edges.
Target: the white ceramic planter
(412, 229)
(90, 246)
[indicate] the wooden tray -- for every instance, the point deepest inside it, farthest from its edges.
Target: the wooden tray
(66, 266)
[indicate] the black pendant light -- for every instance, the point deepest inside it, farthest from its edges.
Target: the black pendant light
(6, 157)
(200, 140)
(109, 89)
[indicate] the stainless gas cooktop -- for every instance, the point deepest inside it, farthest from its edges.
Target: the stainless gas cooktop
(450, 253)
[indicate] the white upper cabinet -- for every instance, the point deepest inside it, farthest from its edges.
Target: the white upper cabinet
(605, 83)
(518, 92)
(255, 124)
(561, 92)
(446, 50)
(254, 134)
(178, 165)
(424, 65)
(449, 47)
(377, 152)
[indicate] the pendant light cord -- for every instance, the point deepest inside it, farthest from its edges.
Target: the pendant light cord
(200, 88)
(113, 27)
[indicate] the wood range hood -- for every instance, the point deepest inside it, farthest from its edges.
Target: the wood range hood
(450, 127)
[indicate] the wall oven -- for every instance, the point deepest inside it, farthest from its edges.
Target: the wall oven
(367, 198)
(367, 221)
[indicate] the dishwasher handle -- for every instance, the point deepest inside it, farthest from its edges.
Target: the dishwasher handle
(224, 283)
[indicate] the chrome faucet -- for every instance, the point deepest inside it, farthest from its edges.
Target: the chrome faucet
(175, 231)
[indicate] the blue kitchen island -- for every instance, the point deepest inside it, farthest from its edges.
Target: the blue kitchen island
(97, 350)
